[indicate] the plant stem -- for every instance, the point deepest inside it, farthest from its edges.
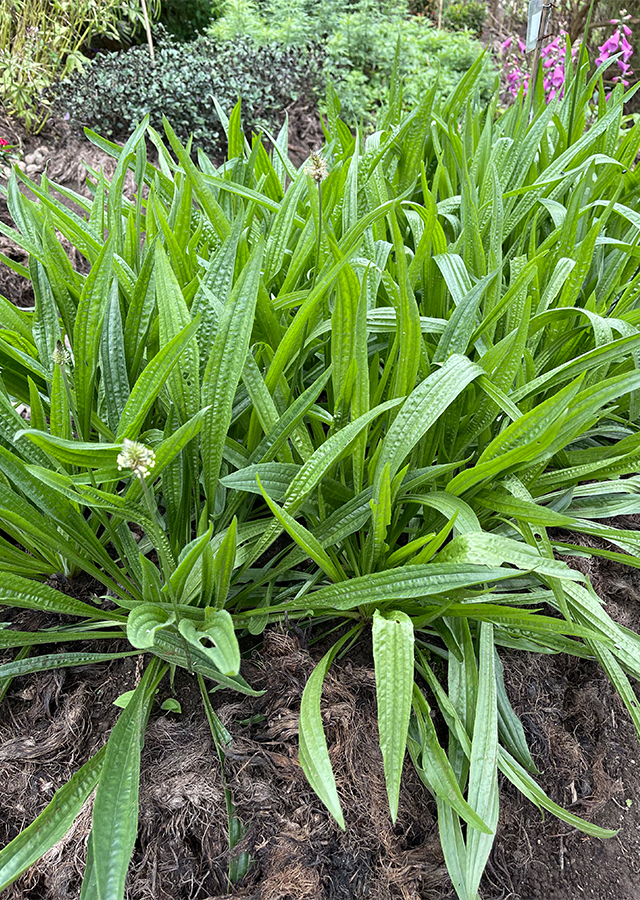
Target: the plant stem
(147, 28)
(319, 243)
(166, 564)
(72, 402)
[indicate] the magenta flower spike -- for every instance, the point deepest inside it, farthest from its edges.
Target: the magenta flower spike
(554, 56)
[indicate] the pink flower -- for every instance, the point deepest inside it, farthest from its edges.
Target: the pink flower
(610, 45)
(618, 43)
(627, 49)
(557, 76)
(3, 143)
(554, 56)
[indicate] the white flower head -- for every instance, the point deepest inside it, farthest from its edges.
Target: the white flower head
(60, 356)
(317, 167)
(137, 457)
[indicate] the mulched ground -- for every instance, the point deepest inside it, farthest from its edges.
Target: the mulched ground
(581, 739)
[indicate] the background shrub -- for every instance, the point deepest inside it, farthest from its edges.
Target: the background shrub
(360, 39)
(270, 54)
(469, 15)
(43, 40)
(119, 89)
(187, 18)
(360, 56)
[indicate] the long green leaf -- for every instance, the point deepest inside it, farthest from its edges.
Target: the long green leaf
(393, 660)
(53, 822)
(313, 752)
(115, 811)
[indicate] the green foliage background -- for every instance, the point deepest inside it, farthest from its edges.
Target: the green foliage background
(271, 56)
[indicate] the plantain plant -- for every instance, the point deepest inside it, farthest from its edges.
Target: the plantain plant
(359, 393)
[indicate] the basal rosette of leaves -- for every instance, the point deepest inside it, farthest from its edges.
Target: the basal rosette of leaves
(361, 394)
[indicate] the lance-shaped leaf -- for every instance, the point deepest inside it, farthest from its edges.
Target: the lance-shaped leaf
(492, 549)
(393, 660)
(224, 562)
(87, 454)
(190, 560)
(115, 811)
(422, 408)
(483, 765)
(25, 593)
(183, 382)
(402, 583)
(313, 752)
(225, 366)
(432, 763)
(52, 824)
(519, 776)
(87, 331)
(151, 382)
(304, 538)
(57, 661)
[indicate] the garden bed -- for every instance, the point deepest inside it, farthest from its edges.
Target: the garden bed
(580, 735)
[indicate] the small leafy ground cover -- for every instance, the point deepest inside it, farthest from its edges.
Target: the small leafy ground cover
(355, 395)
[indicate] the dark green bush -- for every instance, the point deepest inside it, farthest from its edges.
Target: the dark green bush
(428, 8)
(469, 15)
(187, 18)
(119, 89)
